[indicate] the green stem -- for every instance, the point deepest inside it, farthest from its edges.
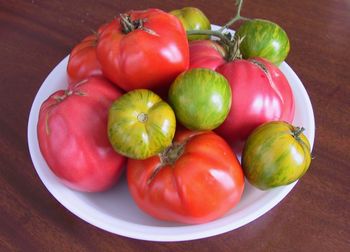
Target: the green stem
(231, 45)
(235, 18)
(218, 34)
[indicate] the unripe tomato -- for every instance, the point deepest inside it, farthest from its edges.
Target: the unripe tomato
(193, 19)
(201, 98)
(140, 124)
(263, 38)
(275, 154)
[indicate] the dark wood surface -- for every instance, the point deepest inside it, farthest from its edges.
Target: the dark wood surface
(36, 35)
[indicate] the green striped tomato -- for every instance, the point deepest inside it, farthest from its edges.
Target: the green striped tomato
(201, 99)
(193, 19)
(140, 124)
(275, 154)
(263, 38)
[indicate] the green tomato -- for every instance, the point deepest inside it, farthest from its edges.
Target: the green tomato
(140, 124)
(193, 19)
(275, 154)
(201, 98)
(263, 38)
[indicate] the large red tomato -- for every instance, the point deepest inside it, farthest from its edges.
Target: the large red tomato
(260, 91)
(72, 134)
(198, 179)
(143, 49)
(82, 61)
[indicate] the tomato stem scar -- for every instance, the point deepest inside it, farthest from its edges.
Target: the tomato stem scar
(142, 117)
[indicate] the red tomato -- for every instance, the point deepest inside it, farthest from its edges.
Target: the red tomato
(260, 91)
(72, 134)
(206, 54)
(82, 61)
(198, 179)
(144, 49)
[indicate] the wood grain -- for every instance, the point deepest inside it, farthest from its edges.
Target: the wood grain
(36, 35)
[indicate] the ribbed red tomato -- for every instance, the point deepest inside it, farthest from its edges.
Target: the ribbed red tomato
(72, 135)
(196, 180)
(143, 49)
(260, 91)
(82, 61)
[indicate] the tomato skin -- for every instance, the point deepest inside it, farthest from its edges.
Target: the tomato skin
(206, 54)
(140, 124)
(274, 156)
(193, 19)
(263, 38)
(82, 61)
(201, 99)
(72, 136)
(149, 59)
(203, 184)
(257, 98)
(260, 92)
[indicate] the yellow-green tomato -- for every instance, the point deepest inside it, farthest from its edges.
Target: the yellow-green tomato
(140, 124)
(201, 99)
(193, 19)
(265, 39)
(275, 154)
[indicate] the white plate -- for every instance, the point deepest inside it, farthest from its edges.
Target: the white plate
(115, 210)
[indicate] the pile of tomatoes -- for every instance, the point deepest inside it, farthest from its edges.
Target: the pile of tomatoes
(170, 108)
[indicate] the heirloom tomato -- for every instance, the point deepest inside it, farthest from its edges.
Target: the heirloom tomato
(196, 180)
(260, 91)
(206, 54)
(193, 19)
(140, 124)
(82, 61)
(201, 98)
(143, 49)
(72, 135)
(263, 38)
(275, 154)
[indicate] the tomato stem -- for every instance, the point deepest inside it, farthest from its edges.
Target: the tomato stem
(129, 25)
(172, 153)
(297, 131)
(231, 43)
(236, 18)
(168, 157)
(218, 34)
(233, 48)
(126, 23)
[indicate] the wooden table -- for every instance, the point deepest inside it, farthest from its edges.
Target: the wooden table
(36, 35)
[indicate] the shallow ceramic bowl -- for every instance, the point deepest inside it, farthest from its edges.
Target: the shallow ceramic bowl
(116, 212)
